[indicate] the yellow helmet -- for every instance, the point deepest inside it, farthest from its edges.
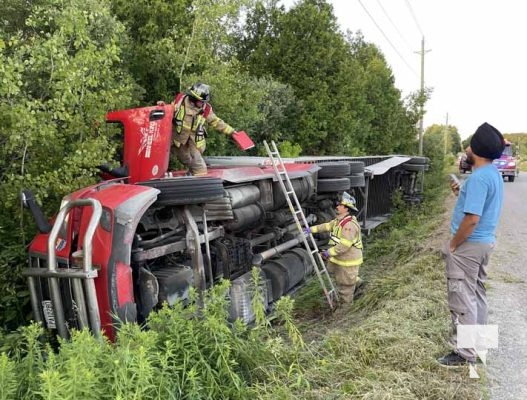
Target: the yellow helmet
(349, 201)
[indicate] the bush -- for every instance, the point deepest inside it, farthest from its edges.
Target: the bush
(186, 353)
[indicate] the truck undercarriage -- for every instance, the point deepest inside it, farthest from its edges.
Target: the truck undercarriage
(120, 249)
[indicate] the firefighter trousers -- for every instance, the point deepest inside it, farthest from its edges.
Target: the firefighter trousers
(345, 279)
(191, 156)
(467, 298)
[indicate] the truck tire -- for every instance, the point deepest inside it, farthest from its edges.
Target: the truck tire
(357, 180)
(415, 167)
(186, 190)
(356, 167)
(334, 170)
(511, 178)
(419, 160)
(333, 185)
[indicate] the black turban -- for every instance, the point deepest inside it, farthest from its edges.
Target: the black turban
(487, 142)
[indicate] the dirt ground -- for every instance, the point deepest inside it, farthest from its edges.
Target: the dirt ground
(507, 296)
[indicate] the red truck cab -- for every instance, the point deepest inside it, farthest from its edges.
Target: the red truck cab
(507, 164)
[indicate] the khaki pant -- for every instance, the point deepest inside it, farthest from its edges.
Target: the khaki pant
(346, 279)
(467, 298)
(191, 157)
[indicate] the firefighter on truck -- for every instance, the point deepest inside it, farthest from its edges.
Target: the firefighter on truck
(191, 112)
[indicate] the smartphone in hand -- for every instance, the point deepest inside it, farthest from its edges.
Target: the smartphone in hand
(455, 184)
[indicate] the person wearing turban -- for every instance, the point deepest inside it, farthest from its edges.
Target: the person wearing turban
(467, 252)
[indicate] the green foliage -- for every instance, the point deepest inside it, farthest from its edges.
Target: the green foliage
(441, 152)
(155, 49)
(519, 142)
(60, 81)
(265, 109)
(170, 40)
(8, 378)
(14, 295)
(347, 100)
(61, 71)
(187, 353)
(450, 160)
(442, 139)
(288, 149)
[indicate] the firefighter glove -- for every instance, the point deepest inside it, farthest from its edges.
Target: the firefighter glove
(325, 254)
(307, 231)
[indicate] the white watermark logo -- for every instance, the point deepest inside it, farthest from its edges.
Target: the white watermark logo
(480, 338)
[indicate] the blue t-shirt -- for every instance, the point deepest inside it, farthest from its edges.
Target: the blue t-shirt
(481, 194)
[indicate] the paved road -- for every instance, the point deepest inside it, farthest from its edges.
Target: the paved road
(507, 296)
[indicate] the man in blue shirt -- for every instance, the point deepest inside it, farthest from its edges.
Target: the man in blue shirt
(473, 229)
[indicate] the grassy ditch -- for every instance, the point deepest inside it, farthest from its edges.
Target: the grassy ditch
(384, 346)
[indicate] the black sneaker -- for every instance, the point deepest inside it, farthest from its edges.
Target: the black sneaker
(453, 360)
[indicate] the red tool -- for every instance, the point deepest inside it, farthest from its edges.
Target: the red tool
(243, 140)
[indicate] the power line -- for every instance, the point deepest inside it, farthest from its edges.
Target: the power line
(394, 26)
(386, 37)
(413, 16)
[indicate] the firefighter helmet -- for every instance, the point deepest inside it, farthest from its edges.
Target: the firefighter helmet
(199, 91)
(349, 201)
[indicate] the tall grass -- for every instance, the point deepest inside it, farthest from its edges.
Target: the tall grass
(186, 353)
(384, 346)
(8, 378)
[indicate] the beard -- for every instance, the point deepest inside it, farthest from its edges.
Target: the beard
(470, 158)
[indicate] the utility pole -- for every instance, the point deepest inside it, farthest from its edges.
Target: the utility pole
(445, 135)
(422, 93)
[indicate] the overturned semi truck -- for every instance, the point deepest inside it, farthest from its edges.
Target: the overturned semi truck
(143, 236)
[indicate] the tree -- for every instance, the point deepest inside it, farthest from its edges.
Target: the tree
(172, 40)
(61, 71)
(158, 33)
(447, 136)
(387, 122)
(347, 100)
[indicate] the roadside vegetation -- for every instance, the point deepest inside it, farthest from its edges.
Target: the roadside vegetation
(382, 347)
(519, 148)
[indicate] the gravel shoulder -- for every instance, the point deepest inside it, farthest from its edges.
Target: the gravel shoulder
(507, 297)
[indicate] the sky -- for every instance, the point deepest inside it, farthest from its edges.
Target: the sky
(475, 55)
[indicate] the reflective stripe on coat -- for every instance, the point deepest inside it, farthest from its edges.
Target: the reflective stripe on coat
(346, 241)
(188, 122)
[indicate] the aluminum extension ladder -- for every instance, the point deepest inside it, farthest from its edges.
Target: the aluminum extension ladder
(296, 210)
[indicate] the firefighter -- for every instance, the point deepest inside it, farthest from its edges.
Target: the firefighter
(345, 254)
(191, 111)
